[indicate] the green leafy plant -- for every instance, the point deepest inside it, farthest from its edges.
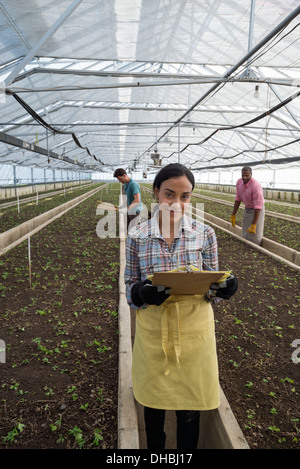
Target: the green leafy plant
(78, 435)
(13, 434)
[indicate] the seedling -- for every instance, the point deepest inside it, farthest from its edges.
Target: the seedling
(77, 433)
(10, 437)
(97, 436)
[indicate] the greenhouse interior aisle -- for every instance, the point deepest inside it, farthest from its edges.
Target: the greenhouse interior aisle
(88, 87)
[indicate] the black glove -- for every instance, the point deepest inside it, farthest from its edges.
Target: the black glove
(145, 292)
(225, 289)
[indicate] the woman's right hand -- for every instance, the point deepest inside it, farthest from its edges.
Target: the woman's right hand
(146, 293)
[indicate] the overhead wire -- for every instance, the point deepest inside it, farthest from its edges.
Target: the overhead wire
(265, 150)
(255, 119)
(47, 126)
(272, 44)
(259, 54)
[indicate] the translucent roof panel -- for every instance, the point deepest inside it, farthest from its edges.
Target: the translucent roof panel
(93, 85)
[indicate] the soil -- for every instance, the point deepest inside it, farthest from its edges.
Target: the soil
(58, 387)
(255, 332)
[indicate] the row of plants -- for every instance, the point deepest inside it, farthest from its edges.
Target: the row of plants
(59, 384)
(36, 192)
(257, 339)
(283, 231)
(289, 208)
(11, 217)
(36, 189)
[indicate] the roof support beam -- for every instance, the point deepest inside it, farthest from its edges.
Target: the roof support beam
(46, 36)
(159, 80)
(10, 140)
(244, 59)
(254, 163)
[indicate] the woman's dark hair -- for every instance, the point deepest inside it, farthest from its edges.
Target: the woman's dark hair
(173, 170)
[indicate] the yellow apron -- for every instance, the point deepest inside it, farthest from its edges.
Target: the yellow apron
(174, 356)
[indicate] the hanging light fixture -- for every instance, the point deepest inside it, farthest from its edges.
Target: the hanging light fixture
(167, 140)
(256, 92)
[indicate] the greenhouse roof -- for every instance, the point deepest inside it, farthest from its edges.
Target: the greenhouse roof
(98, 84)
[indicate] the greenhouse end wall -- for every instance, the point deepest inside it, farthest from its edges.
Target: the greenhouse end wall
(287, 179)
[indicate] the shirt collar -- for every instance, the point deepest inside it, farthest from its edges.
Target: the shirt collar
(248, 183)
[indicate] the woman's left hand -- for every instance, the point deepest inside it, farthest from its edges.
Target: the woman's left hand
(225, 289)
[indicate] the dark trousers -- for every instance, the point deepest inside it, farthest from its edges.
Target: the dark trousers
(136, 219)
(187, 428)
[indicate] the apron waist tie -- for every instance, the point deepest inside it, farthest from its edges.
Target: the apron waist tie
(165, 335)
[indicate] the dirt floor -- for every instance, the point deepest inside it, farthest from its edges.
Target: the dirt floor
(58, 387)
(255, 333)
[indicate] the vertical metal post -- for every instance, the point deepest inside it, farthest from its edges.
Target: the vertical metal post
(274, 176)
(29, 261)
(15, 178)
(250, 35)
(178, 142)
(47, 146)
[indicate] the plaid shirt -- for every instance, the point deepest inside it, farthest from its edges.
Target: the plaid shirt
(148, 252)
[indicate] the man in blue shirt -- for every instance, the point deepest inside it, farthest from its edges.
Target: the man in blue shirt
(133, 194)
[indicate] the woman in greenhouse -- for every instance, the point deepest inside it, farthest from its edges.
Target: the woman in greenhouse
(174, 356)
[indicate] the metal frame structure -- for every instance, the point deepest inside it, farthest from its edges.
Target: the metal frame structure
(91, 86)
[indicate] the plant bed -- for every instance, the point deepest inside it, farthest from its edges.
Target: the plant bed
(59, 384)
(42, 193)
(288, 208)
(255, 330)
(282, 231)
(10, 217)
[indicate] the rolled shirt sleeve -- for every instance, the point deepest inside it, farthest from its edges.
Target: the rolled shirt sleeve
(258, 198)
